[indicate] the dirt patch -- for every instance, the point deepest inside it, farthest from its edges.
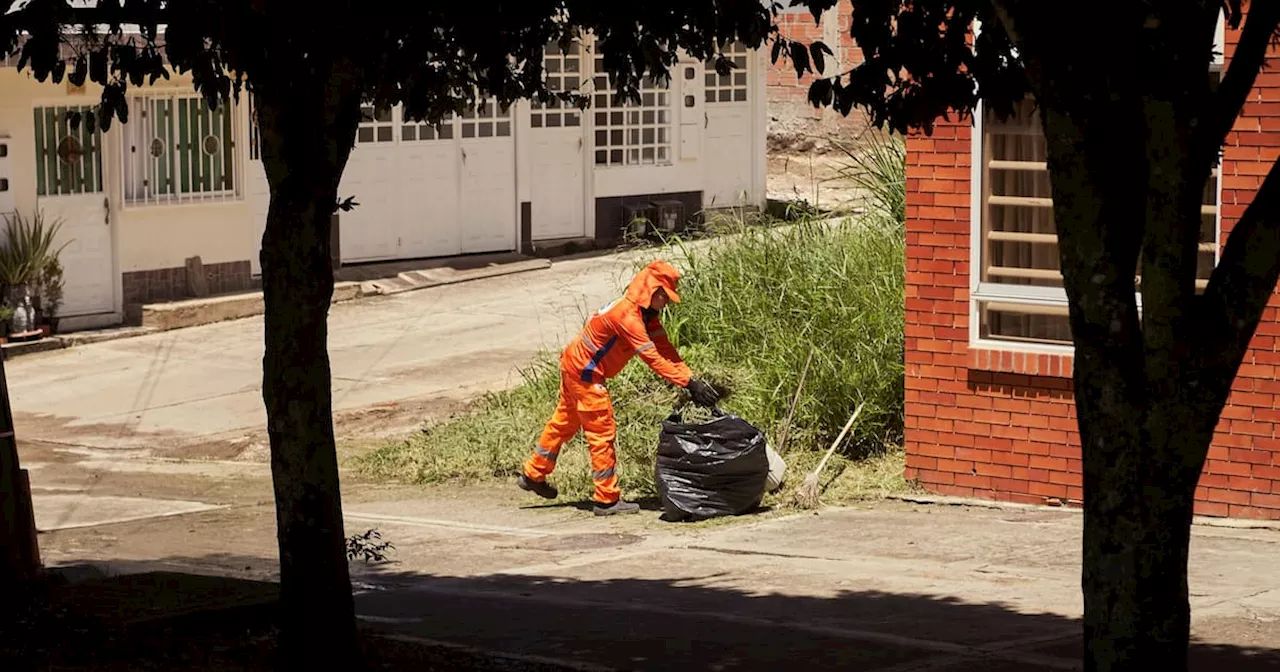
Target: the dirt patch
(813, 178)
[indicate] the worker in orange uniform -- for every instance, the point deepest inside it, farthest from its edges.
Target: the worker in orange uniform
(627, 327)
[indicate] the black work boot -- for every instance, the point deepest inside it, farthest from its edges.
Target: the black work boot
(617, 508)
(541, 488)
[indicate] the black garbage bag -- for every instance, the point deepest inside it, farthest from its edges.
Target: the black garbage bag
(709, 469)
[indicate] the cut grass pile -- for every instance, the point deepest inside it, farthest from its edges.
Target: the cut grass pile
(754, 305)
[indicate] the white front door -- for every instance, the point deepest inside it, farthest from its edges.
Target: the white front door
(488, 191)
(70, 191)
(728, 136)
(557, 155)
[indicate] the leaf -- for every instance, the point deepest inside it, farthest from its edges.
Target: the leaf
(90, 122)
(817, 50)
(73, 119)
(778, 43)
(81, 72)
(800, 59)
(98, 67)
(348, 204)
(820, 93)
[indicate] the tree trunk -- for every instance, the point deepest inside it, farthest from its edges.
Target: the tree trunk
(1146, 409)
(307, 130)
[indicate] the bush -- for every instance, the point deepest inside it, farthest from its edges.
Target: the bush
(753, 307)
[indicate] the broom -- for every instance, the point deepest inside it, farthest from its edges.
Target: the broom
(808, 492)
(786, 428)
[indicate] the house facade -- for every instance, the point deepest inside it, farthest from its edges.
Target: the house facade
(181, 181)
(989, 400)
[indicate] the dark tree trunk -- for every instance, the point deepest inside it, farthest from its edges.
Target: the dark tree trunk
(308, 128)
(1147, 406)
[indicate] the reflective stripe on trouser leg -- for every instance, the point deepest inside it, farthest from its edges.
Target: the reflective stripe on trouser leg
(600, 429)
(558, 430)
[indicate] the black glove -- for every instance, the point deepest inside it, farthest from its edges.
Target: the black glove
(702, 394)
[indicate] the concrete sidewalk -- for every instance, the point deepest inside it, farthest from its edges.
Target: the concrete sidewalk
(887, 587)
(890, 586)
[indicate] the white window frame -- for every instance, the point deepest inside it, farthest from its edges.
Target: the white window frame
(179, 198)
(1030, 295)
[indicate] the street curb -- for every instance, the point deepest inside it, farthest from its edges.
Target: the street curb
(435, 277)
(1201, 521)
(199, 312)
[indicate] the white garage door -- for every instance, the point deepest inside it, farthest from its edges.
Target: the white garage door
(488, 191)
(728, 135)
(430, 191)
(557, 156)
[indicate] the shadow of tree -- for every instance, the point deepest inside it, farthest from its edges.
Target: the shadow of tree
(694, 623)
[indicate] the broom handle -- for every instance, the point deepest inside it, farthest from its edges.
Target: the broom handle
(840, 438)
(786, 429)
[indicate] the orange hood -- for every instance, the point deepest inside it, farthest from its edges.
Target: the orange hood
(658, 274)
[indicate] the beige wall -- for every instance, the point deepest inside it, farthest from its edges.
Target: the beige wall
(146, 237)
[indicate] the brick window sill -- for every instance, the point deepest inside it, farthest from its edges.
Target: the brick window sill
(1027, 363)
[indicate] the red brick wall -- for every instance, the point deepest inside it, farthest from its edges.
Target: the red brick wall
(1001, 425)
(791, 114)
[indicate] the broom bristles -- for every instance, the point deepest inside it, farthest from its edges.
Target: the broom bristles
(808, 494)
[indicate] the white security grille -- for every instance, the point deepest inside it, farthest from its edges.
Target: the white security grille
(176, 149)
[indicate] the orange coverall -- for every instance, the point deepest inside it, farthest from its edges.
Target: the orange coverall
(611, 337)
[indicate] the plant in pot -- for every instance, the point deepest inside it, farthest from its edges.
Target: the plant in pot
(49, 295)
(6, 322)
(28, 246)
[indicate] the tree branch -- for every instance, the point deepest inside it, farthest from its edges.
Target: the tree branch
(1247, 61)
(1242, 283)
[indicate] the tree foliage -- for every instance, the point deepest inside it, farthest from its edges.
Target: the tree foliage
(435, 59)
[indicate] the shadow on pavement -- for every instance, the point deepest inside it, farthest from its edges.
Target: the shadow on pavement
(693, 623)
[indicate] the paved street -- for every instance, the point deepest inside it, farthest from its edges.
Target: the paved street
(144, 455)
(205, 381)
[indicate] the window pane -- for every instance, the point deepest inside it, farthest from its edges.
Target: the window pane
(1013, 322)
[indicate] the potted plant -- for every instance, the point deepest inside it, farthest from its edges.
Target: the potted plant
(6, 322)
(27, 250)
(49, 295)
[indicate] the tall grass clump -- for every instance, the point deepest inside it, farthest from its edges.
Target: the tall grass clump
(877, 165)
(755, 303)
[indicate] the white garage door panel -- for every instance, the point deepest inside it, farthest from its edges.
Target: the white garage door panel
(556, 138)
(488, 220)
(369, 231)
(429, 206)
(557, 184)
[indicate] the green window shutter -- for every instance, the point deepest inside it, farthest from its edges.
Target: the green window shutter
(184, 145)
(42, 185)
